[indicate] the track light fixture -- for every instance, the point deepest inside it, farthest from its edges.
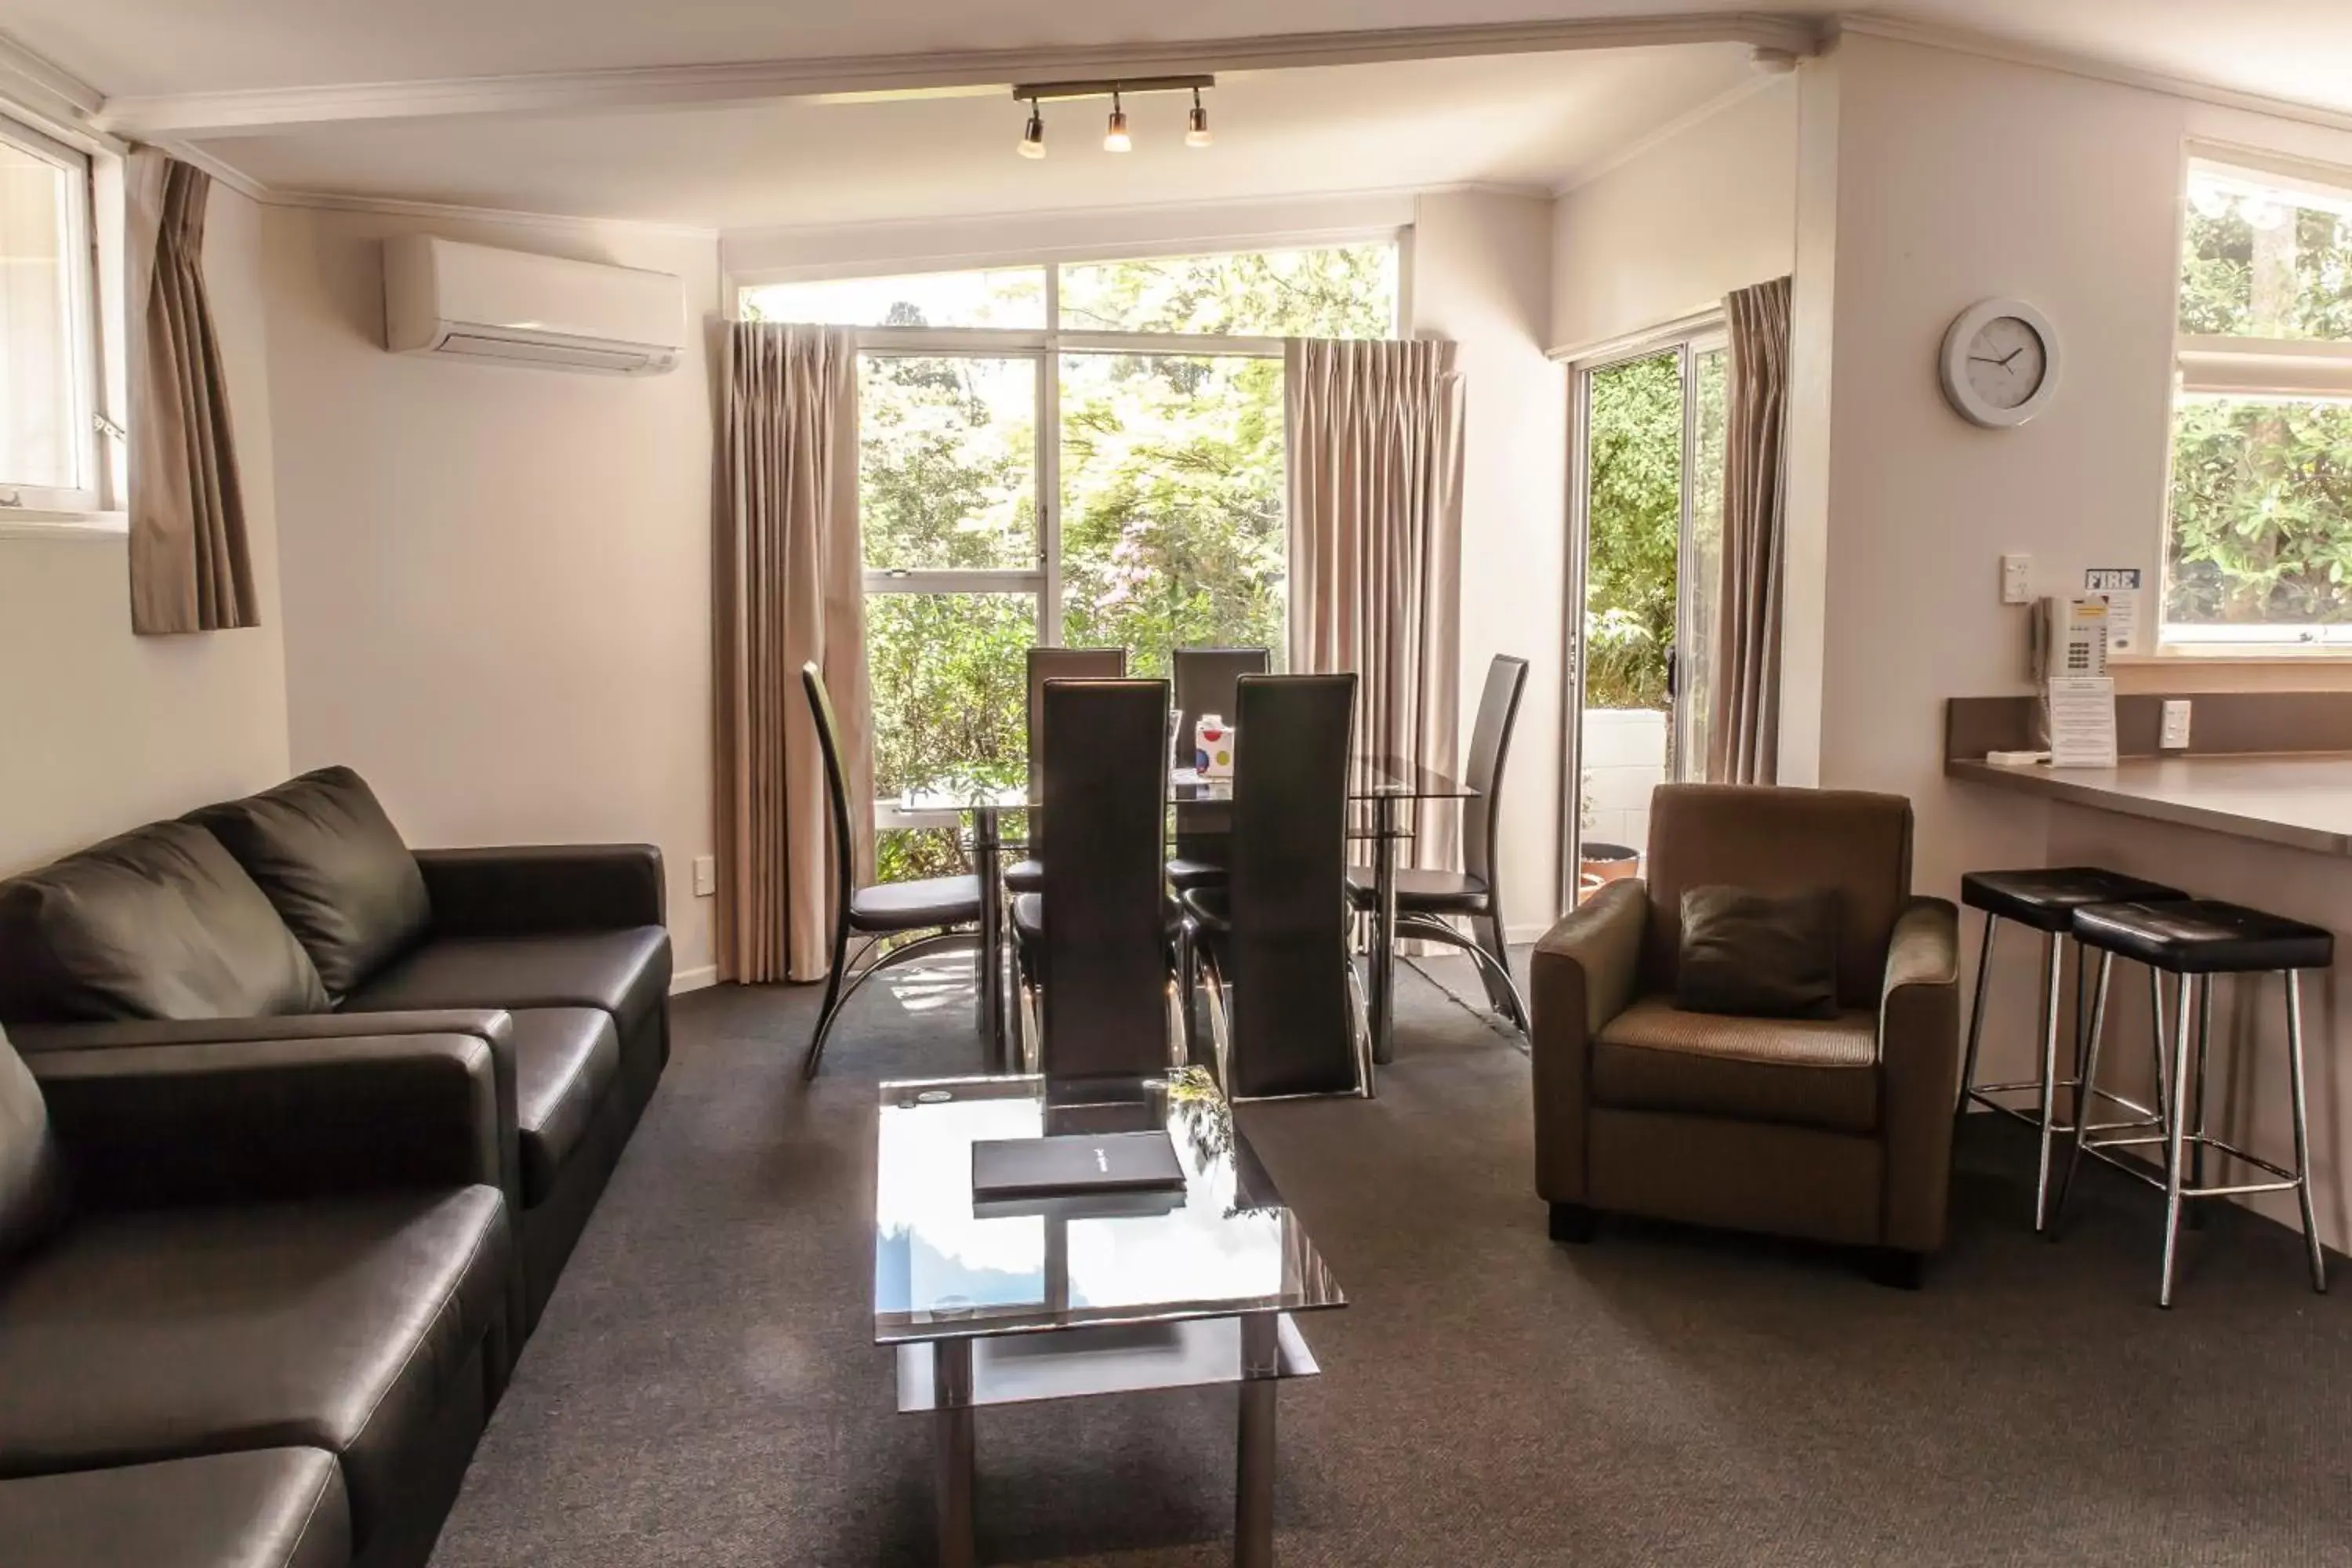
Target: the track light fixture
(1118, 137)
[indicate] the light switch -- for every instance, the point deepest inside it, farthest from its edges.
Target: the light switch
(2017, 579)
(2176, 725)
(706, 875)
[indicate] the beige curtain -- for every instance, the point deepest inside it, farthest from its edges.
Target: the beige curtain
(1374, 444)
(1743, 737)
(191, 569)
(789, 587)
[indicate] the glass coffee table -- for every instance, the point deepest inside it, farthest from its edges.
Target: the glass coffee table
(1007, 1308)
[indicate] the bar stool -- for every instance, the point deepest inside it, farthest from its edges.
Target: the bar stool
(2193, 940)
(2045, 900)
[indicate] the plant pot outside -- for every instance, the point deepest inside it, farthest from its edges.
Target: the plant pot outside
(1601, 864)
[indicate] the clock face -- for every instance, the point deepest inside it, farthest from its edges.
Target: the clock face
(2007, 362)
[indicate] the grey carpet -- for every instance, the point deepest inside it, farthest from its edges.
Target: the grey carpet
(703, 1390)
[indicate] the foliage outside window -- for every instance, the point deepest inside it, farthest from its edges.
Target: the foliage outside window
(1158, 384)
(49, 456)
(2259, 548)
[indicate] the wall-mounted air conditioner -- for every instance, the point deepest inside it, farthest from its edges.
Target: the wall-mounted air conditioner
(472, 302)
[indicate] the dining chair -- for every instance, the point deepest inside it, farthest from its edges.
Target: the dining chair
(1270, 943)
(1092, 944)
(1045, 664)
(1428, 901)
(934, 904)
(1206, 682)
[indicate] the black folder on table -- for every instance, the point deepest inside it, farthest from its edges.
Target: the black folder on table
(1106, 1173)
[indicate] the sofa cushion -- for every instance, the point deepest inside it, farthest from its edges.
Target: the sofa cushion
(29, 1191)
(161, 922)
(270, 1508)
(342, 1325)
(1757, 956)
(1812, 1072)
(567, 1060)
(625, 973)
(323, 851)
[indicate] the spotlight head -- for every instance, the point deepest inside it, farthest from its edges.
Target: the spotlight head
(1196, 132)
(1032, 135)
(1114, 136)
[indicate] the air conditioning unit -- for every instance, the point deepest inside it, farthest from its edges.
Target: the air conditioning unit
(472, 302)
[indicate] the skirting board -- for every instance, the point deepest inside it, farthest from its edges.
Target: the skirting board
(694, 979)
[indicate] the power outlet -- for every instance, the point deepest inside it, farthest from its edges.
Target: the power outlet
(706, 875)
(2017, 579)
(2176, 725)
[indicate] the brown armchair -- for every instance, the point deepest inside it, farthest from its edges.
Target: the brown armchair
(1838, 1130)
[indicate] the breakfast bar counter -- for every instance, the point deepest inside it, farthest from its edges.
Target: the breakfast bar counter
(2300, 800)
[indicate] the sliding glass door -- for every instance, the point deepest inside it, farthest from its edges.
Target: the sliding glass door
(1647, 567)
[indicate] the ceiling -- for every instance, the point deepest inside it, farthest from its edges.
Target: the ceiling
(1530, 120)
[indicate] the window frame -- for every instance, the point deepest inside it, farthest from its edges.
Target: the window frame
(2232, 368)
(86, 413)
(1046, 348)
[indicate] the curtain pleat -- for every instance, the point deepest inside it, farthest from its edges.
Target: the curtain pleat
(1744, 730)
(789, 586)
(191, 566)
(1374, 442)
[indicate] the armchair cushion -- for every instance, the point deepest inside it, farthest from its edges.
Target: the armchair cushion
(1756, 956)
(1809, 1072)
(331, 861)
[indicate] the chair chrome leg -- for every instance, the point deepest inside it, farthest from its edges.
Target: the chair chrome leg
(1221, 1033)
(1359, 1017)
(1494, 978)
(2056, 954)
(1179, 1036)
(832, 999)
(2172, 1147)
(1975, 1013)
(2303, 1130)
(2090, 1076)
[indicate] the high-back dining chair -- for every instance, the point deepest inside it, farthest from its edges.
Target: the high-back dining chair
(1207, 681)
(1272, 941)
(1427, 900)
(1094, 940)
(1024, 874)
(934, 904)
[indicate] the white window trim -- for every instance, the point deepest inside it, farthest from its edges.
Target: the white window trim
(27, 509)
(2250, 369)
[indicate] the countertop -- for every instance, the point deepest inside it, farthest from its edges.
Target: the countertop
(2301, 800)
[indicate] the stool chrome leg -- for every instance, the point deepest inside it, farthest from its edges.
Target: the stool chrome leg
(2055, 952)
(2302, 1130)
(1976, 1013)
(2155, 1039)
(2204, 1044)
(2090, 1075)
(2172, 1149)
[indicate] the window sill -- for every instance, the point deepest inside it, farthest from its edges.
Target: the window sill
(2224, 654)
(28, 522)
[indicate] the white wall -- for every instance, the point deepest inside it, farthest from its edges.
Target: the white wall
(104, 730)
(1667, 233)
(1481, 276)
(497, 580)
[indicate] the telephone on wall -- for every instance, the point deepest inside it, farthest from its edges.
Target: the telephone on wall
(2069, 637)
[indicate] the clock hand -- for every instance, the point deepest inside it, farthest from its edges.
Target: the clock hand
(2012, 354)
(1979, 359)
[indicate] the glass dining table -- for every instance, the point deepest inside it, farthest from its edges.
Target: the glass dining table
(1389, 787)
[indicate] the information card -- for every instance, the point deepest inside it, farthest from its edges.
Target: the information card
(2082, 722)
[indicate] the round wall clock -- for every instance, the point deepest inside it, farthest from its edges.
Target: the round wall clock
(2000, 363)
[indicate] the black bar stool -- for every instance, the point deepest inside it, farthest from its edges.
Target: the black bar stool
(2193, 940)
(2045, 900)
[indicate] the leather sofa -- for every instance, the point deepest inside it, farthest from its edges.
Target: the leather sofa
(300, 914)
(1835, 1130)
(253, 1299)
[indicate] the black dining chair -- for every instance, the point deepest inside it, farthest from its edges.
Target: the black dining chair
(1427, 902)
(1093, 944)
(1023, 875)
(934, 904)
(1270, 943)
(1207, 681)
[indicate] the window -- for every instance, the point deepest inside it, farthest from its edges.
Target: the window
(1088, 453)
(2258, 546)
(48, 437)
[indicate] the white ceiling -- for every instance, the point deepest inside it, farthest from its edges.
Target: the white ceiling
(1531, 120)
(2297, 49)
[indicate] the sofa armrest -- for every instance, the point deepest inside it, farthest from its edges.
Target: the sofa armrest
(1584, 972)
(528, 889)
(144, 1126)
(1919, 1058)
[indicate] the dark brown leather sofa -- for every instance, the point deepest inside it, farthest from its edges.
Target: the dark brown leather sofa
(299, 913)
(253, 1300)
(1837, 1130)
